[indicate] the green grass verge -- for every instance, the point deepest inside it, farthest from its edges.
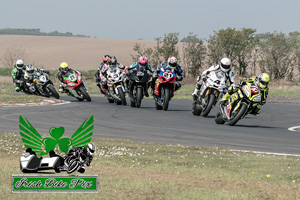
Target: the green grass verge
(13, 99)
(137, 170)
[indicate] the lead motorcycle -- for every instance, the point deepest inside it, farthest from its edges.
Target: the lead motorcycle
(43, 84)
(211, 91)
(138, 83)
(115, 83)
(164, 88)
(76, 86)
(240, 103)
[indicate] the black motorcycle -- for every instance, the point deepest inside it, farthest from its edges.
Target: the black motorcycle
(138, 84)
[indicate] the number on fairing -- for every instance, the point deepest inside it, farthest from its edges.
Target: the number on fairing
(72, 77)
(42, 78)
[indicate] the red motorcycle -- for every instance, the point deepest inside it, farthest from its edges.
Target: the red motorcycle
(76, 86)
(164, 88)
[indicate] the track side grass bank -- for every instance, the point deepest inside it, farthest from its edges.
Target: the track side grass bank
(137, 170)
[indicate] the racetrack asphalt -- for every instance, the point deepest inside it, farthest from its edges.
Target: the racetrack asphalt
(267, 132)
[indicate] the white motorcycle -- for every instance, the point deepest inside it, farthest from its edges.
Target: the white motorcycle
(211, 91)
(116, 85)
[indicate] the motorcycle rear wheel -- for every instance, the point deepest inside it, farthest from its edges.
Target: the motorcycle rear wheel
(238, 116)
(197, 109)
(219, 119)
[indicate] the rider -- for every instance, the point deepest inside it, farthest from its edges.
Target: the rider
(81, 153)
(28, 76)
(62, 73)
(223, 67)
(172, 63)
(111, 64)
(101, 67)
(262, 82)
(18, 74)
(143, 62)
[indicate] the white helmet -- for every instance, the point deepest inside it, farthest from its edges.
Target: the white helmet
(225, 64)
(19, 64)
(29, 69)
(91, 148)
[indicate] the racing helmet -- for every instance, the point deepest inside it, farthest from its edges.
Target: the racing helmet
(105, 58)
(29, 69)
(91, 148)
(172, 62)
(143, 61)
(64, 67)
(19, 64)
(225, 64)
(263, 80)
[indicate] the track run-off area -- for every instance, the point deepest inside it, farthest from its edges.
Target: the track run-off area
(268, 132)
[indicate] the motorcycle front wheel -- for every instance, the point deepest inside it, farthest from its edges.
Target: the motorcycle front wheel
(122, 96)
(209, 105)
(84, 93)
(238, 116)
(166, 98)
(53, 92)
(139, 96)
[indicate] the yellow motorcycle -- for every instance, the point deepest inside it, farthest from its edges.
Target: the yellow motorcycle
(240, 103)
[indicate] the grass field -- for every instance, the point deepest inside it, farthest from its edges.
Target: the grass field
(136, 170)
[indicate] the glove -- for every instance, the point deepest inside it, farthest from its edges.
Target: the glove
(126, 71)
(179, 78)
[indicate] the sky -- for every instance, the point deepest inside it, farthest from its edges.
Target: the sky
(140, 19)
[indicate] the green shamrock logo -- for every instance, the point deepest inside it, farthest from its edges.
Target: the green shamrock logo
(63, 143)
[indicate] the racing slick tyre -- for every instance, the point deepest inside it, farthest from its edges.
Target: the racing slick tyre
(238, 116)
(53, 92)
(166, 98)
(122, 96)
(84, 93)
(209, 105)
(219, 119)
(197, 109)
(139, 96)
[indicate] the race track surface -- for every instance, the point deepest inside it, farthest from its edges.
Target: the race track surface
(268, 132)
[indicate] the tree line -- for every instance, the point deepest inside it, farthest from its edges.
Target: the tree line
(20, 31)
(274, 53)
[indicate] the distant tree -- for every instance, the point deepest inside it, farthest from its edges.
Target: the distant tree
(11, 55)
(234, 44)
(279, 55)
(169, 46)
(194, 53)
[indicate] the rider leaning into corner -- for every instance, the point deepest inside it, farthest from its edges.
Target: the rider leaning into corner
(143, 61)
(81, 153)
(101, 67)
(62, 73)
(18, 74)
(172, 63)
(223, 67)
(262, 82)
(112, 63)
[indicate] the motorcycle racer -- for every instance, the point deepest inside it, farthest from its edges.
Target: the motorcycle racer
(143, 61)
(111, 64)
(62, 73)
(18, 74)
(101, 67)
(80, 153)
(223, 67)
(172, 63)
(262, 82)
